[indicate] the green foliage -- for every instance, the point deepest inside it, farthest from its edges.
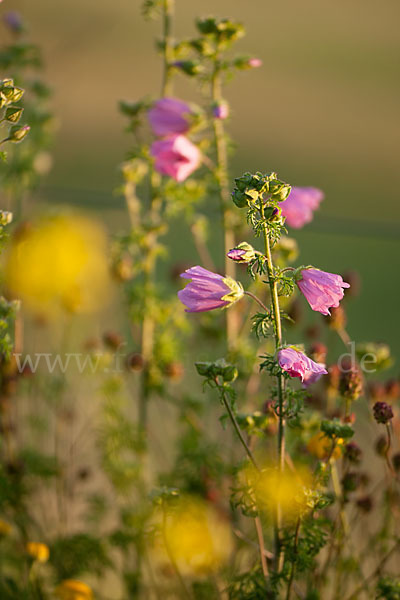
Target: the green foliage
(74, 555)
(388, 589)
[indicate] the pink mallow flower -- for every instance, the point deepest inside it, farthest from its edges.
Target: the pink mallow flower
(322, 290)
(207, 290)
(168, 116)
(176, 156)
(300, 205)
(299, 365)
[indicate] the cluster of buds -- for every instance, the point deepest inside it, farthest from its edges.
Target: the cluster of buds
(383, 412)
(250, 188)
(351, 383)
(9, 95)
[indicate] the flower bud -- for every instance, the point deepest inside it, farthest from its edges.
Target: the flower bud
(244, 62)
(189, 67)
(279, 190)
(113, 340)
(242, 253)
(17, 134)
(5, 217)
(135, 362)
(13, 21)
(13, 114)
(351, 383)
(383, 412)
(174, 370)
(353, 452)
(221, 110)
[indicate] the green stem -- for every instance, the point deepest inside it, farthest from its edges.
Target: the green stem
(257, 300)
(168, 11)
(278, 343)
(221, 175)
(293, 565)
(236, 425)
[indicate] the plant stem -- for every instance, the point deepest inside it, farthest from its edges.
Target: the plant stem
(278, 344)
(168, 11)
(257, 300)
(293, 565)
(236, 425)
(148, 326)
(221, 175)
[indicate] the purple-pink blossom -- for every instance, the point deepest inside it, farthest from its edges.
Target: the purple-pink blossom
(298, 208)
(254, 63)
(176, 156)
(168, 116)
(208, 291)
(299, 365)
(322, 290)
(221, 110)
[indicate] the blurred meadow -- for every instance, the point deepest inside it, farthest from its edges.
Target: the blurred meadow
(322, 111)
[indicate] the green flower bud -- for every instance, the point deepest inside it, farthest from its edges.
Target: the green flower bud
(13, 114)
(242, 253)
(17, 134)
(189, 67)
(5, 217)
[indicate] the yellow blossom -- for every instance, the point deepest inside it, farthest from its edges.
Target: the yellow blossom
(271, 488)
(38, 551)
(320, 446)
(71, 589)
(196, 536)
(59, 262)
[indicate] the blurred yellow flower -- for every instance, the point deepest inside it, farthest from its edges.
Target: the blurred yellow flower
(5, 528)
(320, 446)
(38, 551)
(71, 589)
(197, 537)
(288, 489)
(59, 262)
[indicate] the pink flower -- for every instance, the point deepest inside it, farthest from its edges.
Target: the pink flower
(207, 290)
(299, 206)
(176, 156)
(299, 365)
(254, 63)
(322, 290)
(221, 110)
(167, 117)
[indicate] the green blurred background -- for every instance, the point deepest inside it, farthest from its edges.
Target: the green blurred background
(323, 110)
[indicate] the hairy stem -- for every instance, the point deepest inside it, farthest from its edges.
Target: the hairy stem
(236, 425)
(278, 343)
(257, 300)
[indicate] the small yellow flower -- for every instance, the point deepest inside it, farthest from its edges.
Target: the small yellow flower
(38, 551)
(5, 528)
(320, 446)
(71, 589)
